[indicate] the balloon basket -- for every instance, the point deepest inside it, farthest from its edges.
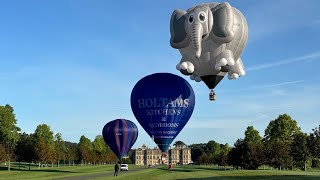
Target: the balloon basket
(212, 96)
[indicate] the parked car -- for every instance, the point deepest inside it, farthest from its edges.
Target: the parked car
(124, 167)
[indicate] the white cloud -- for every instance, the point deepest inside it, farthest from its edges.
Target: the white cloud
(278, 84)
(306, 57)
(270, 87)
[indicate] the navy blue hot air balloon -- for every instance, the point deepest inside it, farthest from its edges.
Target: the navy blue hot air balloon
(120, 135)
(162, 103)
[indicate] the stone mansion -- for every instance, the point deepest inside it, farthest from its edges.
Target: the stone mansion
(153, 156)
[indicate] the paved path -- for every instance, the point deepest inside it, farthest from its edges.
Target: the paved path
(105, 174)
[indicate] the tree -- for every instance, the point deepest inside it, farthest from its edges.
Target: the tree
(45, 150)
(60, 148)
(179, 144)
(204, 159)
(44, 132)
(247, 155)
(278, 154)
(300, 151)
(222, 158)
(314, 143)
(283, 128)
(212, 149)
(253, 156)
(99, 147)
(235, 156)
(72, 154)
(25, 149)
(196, 151)
(3, 156)
(42, 151)
(85, 148)
(252, 135)
(9, 132)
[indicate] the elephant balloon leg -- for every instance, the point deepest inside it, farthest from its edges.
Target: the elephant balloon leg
(236, 71)
(185, 67)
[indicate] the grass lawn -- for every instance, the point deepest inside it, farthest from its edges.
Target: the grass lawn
(204, 172)
(55, 172)
(154, 173)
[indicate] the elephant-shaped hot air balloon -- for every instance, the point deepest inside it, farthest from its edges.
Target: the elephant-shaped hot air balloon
(120, 135)
(210, 38)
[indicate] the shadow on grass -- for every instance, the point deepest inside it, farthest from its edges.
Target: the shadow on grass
(212, 168)
(36, 170)
(289, 177)
(193, 169)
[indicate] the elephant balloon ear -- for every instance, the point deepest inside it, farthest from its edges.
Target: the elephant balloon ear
(179, 38)
(222, 31)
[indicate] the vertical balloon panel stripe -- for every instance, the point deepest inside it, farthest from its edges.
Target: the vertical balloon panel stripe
(117, 128)
(125, 135)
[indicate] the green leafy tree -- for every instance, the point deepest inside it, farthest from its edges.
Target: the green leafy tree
(42, 152)
(100, 148)
(222, 158)
(204, 159)
(9, 132)
(3, 156)
(282, 128)
(196, 151)
(60, 148)
(179, 144)
(253, 156)
(235, 156)
(252, 135)
(212, 149)
(314, 143)
(72, 154)
(300, 151)
(25, 149)
(247, 155)
(85, 149)
(45, 147)
(44, 132)
(278, 154)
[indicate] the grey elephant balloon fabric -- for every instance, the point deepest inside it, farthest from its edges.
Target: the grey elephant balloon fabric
(210, 38)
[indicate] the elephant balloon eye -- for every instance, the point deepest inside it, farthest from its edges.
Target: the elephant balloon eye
(202, 17)
(191, 18)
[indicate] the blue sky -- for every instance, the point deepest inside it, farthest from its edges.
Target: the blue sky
(72, 65)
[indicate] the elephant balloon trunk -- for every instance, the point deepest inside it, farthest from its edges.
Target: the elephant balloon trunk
(196, 37)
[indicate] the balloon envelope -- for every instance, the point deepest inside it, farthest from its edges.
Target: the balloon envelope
(120, 135)
(213, 51)
(162, 103)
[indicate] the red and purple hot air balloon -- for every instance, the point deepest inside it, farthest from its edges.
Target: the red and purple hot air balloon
(120, 135)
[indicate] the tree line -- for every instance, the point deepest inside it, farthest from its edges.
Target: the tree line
(284, 146)
(46, 148)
